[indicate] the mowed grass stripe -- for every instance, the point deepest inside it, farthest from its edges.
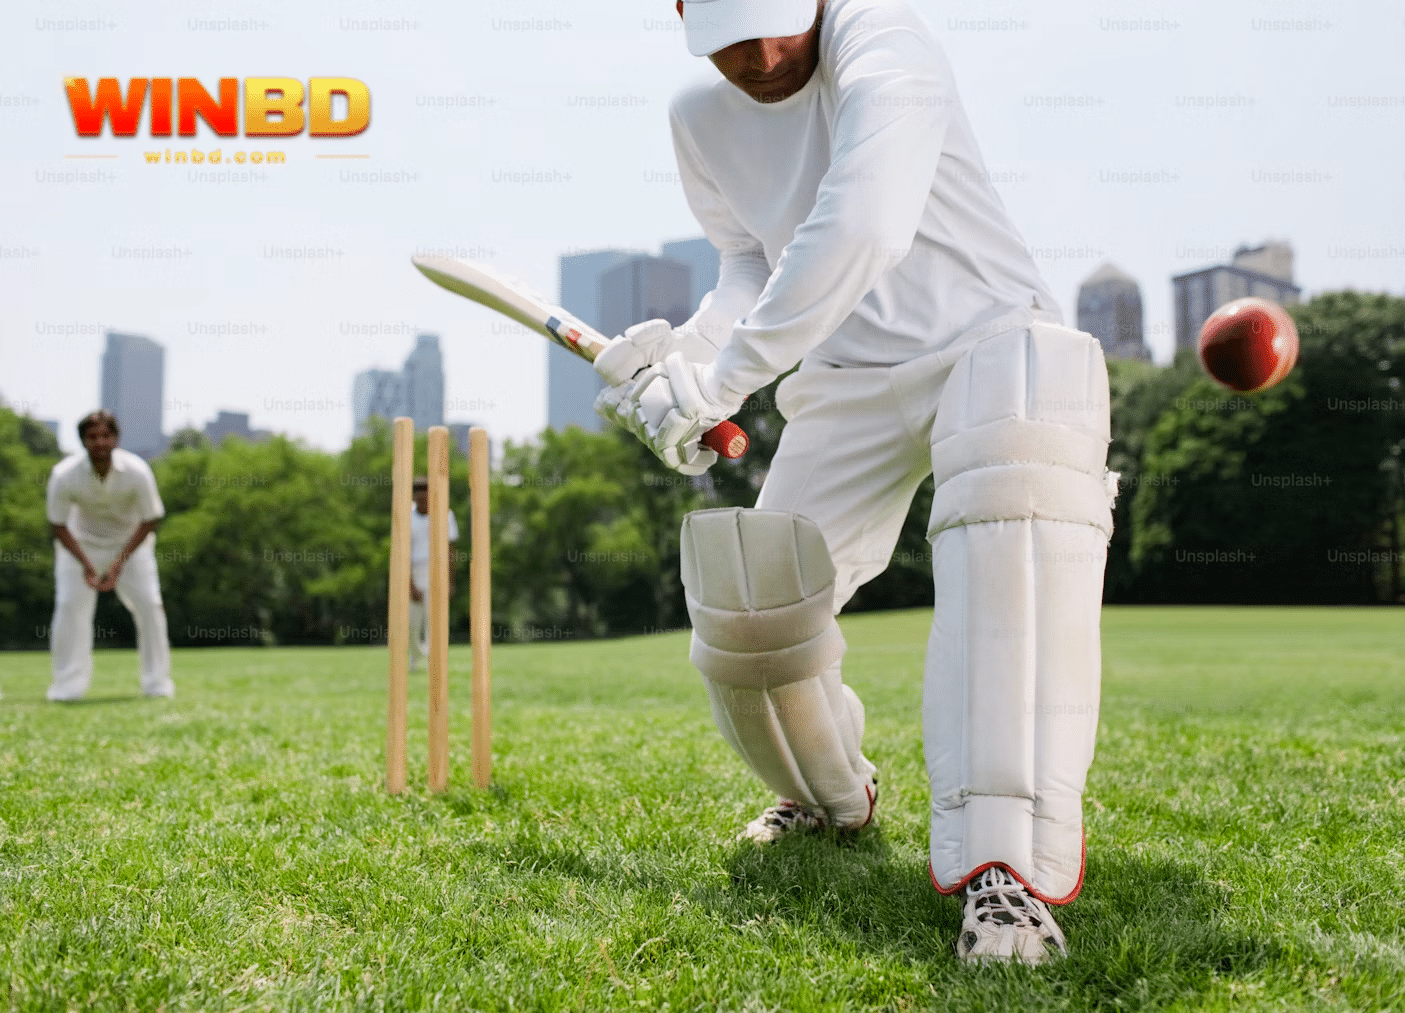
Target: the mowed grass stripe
(232, 849)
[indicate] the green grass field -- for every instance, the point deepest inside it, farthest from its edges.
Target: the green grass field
(233, 850)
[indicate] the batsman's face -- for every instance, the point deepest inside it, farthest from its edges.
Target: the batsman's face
(770, 70)
(422, 500)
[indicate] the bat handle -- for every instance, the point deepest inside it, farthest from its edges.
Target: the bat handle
(727, 438)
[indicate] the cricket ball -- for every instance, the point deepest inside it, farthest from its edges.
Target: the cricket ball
(1248, 344)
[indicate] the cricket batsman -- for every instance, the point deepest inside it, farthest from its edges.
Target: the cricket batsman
(834, 168)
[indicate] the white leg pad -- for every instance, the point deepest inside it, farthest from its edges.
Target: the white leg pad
(1020, 521)
(760, 591)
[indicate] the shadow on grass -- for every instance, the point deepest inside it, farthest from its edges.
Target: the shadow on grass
(86, 701)
(1142, 934)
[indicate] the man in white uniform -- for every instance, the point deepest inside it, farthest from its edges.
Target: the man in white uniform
(419, 570)
(104, 509)
(833, 167)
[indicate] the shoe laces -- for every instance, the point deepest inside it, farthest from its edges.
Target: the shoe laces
(1000, 898)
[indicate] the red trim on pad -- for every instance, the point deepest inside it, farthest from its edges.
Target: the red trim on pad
(872, 801)
(1082, 868)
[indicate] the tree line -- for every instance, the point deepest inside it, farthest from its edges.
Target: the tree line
(1290, 496)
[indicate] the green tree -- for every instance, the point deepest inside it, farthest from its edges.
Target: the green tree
(364, 482)
(188, 438)
(262, 545)
(1291, 495)
(1140, 394)
(581, 539)
(28, 453)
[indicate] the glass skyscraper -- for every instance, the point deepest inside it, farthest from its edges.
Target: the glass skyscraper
(133, 389)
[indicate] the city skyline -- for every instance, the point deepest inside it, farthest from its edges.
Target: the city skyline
(605, 288)
(416, 390)
(1159, 143)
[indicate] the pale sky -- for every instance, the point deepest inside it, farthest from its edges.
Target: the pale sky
(1158, 136)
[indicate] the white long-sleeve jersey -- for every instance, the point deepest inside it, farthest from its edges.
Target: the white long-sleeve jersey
(856, 221)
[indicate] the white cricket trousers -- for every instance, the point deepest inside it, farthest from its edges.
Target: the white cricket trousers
(71, 633)
(419, 632)
(419, 614)
(1012, 678)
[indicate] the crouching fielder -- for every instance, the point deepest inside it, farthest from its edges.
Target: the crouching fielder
(104, 508)
(834, 169)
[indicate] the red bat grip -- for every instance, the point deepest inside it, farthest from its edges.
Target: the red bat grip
(727, 438)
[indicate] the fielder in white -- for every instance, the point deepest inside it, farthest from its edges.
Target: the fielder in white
(419, 570)
(834, 168)
(104, 509)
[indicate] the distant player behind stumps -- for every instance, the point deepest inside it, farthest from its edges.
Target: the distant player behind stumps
(419, 570)
(833, 167)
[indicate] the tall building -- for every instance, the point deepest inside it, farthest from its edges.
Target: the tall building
(705, 261)
(1273, 258)
(233, 424)
(417, 390)
(1265, 271)
(375, 393)
(1110, 309)
(571, 383)
(645, 288)
(458, 436)
(423, 383)
(612, 290)
(133, 389)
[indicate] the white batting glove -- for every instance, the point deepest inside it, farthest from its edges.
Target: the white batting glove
(672, 404)
(638, 348)
(625, 357)
(608, 405)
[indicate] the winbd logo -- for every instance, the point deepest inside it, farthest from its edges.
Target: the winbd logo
(273, 106)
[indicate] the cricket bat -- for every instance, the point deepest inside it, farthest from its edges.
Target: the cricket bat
(516, 300)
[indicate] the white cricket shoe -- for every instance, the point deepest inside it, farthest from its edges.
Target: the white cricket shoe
(1003, 921)
(785, 817)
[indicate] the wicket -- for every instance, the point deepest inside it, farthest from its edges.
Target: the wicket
(436, 598)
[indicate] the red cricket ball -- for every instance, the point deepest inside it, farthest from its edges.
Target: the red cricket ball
(1248, 344)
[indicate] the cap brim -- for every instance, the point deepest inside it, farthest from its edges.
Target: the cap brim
(711, 25)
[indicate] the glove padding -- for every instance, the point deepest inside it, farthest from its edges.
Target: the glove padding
(638, 348)
(670, 405)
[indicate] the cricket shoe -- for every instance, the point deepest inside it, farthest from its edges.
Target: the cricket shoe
(787, 817)
(1003, 921)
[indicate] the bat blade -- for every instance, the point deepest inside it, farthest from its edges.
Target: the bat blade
(516, 300)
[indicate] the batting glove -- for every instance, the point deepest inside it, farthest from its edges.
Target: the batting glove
(672, 404)
(638, 348)
(610, 404)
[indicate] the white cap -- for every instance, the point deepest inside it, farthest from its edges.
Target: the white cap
(711, 25)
